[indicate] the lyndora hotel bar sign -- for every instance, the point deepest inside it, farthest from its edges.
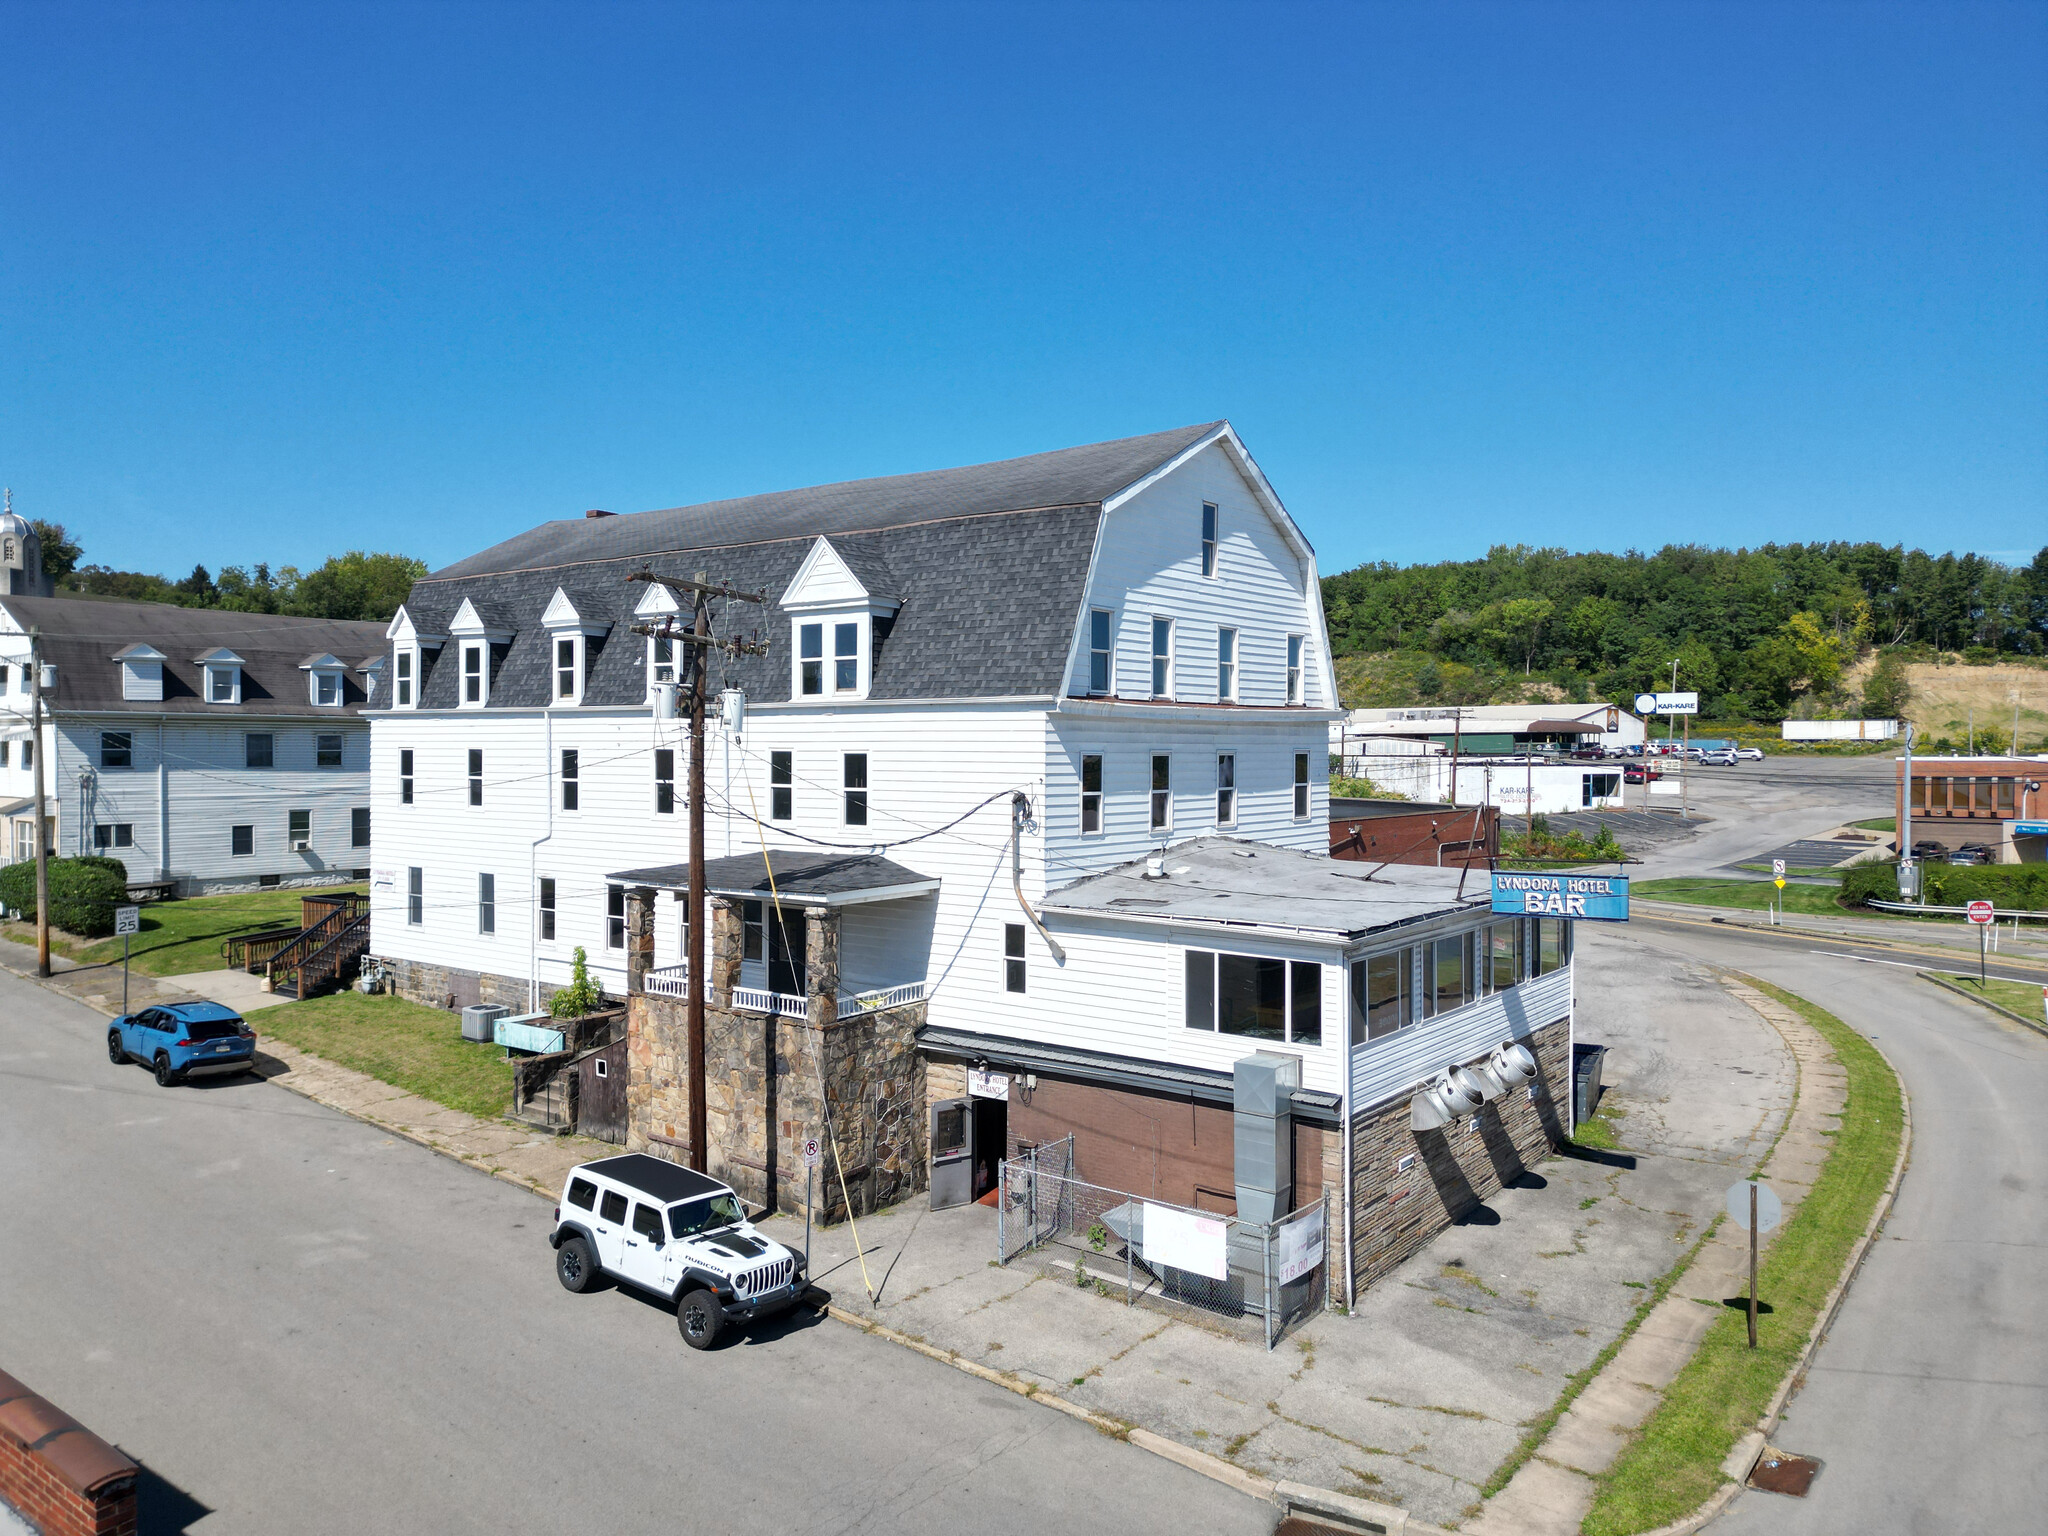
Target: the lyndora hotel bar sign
(1599, 898)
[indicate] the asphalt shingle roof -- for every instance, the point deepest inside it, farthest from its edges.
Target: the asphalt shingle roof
(798, 875)
(81, 636)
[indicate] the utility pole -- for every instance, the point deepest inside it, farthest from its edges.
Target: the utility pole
(1457, 747)
(35, 737)
(699, 642)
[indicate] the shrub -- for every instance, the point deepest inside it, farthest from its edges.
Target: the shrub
(581, 996)
(2018, 887)
(83, 893)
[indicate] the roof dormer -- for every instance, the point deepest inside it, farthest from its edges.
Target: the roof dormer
(324, 673)
(657, 603)
(479, 633)
(573, 625)
(411, 641)
(142, 673)
(837, 612)
(220, 675)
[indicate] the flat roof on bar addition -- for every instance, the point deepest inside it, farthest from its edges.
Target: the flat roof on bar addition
(1229, 883)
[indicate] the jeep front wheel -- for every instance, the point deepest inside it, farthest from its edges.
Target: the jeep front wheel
(576, 1265)
(164, 1075)
(700, 1319)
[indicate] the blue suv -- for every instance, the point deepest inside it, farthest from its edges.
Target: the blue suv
(184, 1040)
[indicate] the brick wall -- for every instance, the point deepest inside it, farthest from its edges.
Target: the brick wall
(57, 1474)
(1397, 1210)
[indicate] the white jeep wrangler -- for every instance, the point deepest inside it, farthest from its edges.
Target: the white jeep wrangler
(676, 1232)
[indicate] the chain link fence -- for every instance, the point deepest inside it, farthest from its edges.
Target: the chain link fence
(1157, 1254)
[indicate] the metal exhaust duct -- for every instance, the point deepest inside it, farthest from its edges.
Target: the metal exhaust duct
(1441, 1102)
(1514, 1065)
(1480, 1080)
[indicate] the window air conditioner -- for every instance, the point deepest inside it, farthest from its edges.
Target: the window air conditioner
(302, 845)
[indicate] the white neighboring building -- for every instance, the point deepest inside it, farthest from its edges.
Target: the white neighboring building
(1486, 730)
(993, 693)
(215, 750)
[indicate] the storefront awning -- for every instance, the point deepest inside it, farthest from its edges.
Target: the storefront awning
(821, 879)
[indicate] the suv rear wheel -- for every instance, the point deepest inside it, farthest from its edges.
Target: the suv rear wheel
(115, 1054)
(699, 1319)
(576, 1266)
(164, 1075)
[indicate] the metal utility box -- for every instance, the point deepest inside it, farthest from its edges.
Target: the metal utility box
(1587, 1061)
(528, 1032)
(479, 1021)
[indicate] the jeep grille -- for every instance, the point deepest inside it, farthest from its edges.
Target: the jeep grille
(764, 1278)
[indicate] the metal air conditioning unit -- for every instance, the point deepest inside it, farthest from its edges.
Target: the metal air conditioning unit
(480, 1021)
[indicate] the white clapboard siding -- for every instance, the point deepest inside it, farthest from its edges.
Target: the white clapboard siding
(1399, 1063)
(1149, 562)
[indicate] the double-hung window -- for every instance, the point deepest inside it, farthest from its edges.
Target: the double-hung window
(1208, 538)
(1162, 658)
(1162, 792)
(299, 830)
(1013, 957)
(565, 667)
(1226, 665)
(359, 826)
(664, 780)
(326, 687)
(845, 658)
(415, 896)
(615, 917)
(1297, 653)
(781, 786)
(220, 685)
(547, 909)
(257, 749)
(486, 903)
(1091, 794)
(1301, 786)
(405, 776)
(241, 841)
(1255, 997)
(1099, 621)
(403, 691)
(117, 749)
(856, 789)
(572, 786)
(327, 750)
(476, 776)
(810, 645)
(661, 659)
(1226, 789)
(472, 674)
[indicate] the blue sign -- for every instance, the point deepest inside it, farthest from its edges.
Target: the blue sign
(1599, 898)
(2030, 829)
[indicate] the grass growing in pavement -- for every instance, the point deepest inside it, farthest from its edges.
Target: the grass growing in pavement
(179, 937)
(2022, 997)
(1674, 1465)
(407, 1045)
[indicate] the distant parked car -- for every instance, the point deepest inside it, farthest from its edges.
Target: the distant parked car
(1721, 757)
(179, 1041)
(1639, 773)
(1970, 853)
(1589, 754)
(1929, 850)
(1750, 754)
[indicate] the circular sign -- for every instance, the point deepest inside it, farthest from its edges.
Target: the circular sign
(813, 1152)
(1646, 703)
(1981, 911)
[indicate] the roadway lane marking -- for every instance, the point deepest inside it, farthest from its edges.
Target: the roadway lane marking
(1908, 965)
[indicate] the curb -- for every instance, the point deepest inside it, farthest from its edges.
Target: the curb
(1983, 1002)
(1742, 1458)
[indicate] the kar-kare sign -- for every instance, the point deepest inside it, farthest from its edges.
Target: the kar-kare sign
(1597, 898)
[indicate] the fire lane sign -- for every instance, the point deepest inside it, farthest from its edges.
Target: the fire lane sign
(1596, 898)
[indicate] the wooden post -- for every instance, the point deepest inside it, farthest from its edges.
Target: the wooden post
(700, 1154)
(1752, 1264)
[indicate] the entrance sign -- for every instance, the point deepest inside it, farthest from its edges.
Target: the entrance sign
(1981, 912)
(1300, 1248)
(987, 1085)
(1186, 1240)
(127, 920)
(1598, 898)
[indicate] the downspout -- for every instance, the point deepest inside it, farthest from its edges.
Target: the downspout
(1020, 813)
(163, 808)
(547, 778)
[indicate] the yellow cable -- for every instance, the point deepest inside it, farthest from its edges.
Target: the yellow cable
(831, 1135)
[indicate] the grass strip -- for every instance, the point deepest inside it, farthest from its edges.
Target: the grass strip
(2020, 997)
(407, 1045)
(180, 937)
(1674, 1465)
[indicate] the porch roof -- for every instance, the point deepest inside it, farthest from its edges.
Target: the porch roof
(803, 879)
(1230, 883)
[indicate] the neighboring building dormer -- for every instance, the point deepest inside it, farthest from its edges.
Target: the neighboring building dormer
(324, 674)
(481, 636)
(142, 673)
(414, 645)
(572, 640)
(220, 675)
(656, 604)
(836, 620)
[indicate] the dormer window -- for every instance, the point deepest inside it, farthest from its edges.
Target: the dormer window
(661, 659)
(221, 673)
(324, 674)
(572, 630)
(845, 657)
(811, 657)
(409, 659)
(835, 615)
(568, 671)
(405, 678)
(142, 673)
(475, 675)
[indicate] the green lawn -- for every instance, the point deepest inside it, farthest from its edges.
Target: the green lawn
(1674, 1465)
(178, 937)
(2022, 997)
(1880, 824)
(407, 1045)
(1747, 895)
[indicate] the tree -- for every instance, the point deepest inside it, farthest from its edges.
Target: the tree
(198, 588)
(1886, 692)
(60, 554)
(358, 586)
(1523, 618)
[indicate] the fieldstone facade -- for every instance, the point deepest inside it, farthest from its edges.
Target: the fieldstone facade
(1396, 1210)
(857, 1084)
(447, 986)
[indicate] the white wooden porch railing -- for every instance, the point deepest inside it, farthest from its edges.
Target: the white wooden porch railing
(672, 981)
(784, 1005)
(852, 1005)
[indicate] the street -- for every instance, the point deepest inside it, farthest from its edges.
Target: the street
(297, 1323)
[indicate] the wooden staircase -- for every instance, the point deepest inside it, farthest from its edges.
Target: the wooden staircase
(324, 952)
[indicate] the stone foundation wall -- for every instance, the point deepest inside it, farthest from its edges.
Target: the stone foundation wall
(1396, 1210)
(447, 986)
(309, 880)
(768, 1084)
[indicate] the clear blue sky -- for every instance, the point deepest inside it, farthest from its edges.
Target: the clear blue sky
(280, 280)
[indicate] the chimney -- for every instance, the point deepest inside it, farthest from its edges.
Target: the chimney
(598, 512)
